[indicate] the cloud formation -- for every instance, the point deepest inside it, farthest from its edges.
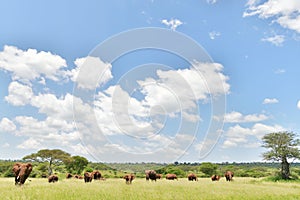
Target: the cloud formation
(270, 101)
(277, 40)
(238, 136)
(237, 117)
(32, 65)
(285, 12)
(172, 23)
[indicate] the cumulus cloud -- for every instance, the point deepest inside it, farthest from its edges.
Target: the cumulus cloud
(31, 65)
(115, 116)
(19, 94)
(31, 143)
(284, 12)
(270, 101)
(248, 137)
(6, 125)
(90, 72)
(277, 40)
(298, 105)
(237, 117)
(173, 23)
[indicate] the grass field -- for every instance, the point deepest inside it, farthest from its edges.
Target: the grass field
(240, 188)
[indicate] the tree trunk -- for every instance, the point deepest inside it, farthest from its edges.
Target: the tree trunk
(285, 169)
(49, 167)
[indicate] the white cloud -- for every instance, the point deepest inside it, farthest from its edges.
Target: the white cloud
(5, 145)
(270, 101)
(6, 125)
(284, 12)
(91, 72)
(18, 94)
(211, 1)
(49, 104)
(31, 143)
(114, 111)
(279, 71)
(173, 23)
(214, 34)
(277, 40)
(298, 105)
(31, 65)
(237, 117)
(248, 137)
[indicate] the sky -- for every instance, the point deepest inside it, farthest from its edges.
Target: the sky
(148, 80)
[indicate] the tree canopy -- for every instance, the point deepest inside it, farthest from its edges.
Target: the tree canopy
(282, 146)
(76, 164)
(52, 156)
(208, 168)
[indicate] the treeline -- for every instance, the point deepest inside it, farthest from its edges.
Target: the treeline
(117, 170)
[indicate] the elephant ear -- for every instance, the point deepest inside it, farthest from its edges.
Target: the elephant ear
(16, 168)
(29, 167)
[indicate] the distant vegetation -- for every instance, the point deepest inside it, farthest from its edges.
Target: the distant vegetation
(282, 146)
(117, 170)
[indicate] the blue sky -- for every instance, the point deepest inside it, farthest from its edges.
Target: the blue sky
(149, 104)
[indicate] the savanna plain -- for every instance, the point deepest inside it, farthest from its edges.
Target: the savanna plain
(114, 188)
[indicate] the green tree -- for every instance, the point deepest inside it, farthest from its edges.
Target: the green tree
(208, 168)
(77, 164)
(52, 156)
(282, 146)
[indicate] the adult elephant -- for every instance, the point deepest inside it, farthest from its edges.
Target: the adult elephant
(21, 172)
(192, 177)
(228, 175)
(129, 178)
(171, 177)
(215, 177)
(150, 174)
(52, 178)
(96, 175)
(88, 177)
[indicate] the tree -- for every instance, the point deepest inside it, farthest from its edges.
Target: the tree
(53, 156)
(77, 164)
(282, 146)
(208, 168)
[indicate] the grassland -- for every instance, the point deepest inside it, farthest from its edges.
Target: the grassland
(240, 188)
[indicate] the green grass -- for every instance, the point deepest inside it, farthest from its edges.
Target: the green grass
(240, 188)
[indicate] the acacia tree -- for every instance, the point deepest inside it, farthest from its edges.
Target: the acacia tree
(52, 156)
(282, 146)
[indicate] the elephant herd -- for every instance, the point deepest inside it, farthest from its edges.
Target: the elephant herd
(23, 170)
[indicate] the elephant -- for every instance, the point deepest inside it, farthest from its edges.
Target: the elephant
(215, 177)
(150, 174)
(96, 175)
(69, 175)
(129, 178)
(228, 175)
(52, 178)
(158, 176)
(192, 177)
(21, 172)
(88, 177)
(78, 176)
(171, 177)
